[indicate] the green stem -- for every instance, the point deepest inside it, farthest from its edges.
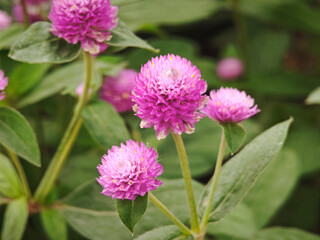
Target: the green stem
(185, 230)
(21, 172)
(69, 137)
(206, 214)
(25, 13)
(187, 181)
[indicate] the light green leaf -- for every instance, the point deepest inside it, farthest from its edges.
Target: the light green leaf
(314, 97)
(234, 135)
(38, 45)
(17, 135)
(9, 35)
(10, 185)
(273, 187)
(280, 233)
(104, 124)
(54, 224)
(130, 212)
(123, 37)
(239, 223)
(240, 173)
(161, 233)
(15, 219)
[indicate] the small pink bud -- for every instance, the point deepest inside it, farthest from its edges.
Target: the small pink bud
(229, 69)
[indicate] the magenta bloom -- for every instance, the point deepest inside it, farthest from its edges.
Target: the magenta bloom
(85, 21)
(229, 68)
(168, 95)
(117, 90)
(5, 20)
(129, 170)
(230, 105)
(3, 85)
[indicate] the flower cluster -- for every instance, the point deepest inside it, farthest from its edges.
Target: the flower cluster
(3, 85)
(86, 21)
(168, 94)
(230, 105)
(229, 68)
(129, 170)
(116, 90)
(5, 20)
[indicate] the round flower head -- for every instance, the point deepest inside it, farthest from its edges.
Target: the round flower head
(229, 68)
(5, 20)
(3, 84)
(129, 170)
(117, 90)
(86, 21)
(230, 105)
(168, 95)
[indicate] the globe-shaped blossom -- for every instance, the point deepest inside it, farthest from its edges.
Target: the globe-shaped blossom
(230, 105)
(229, 68)
(5, 20)
(129, 170)
(3, 85)
(86, 21)
(168, 95)
(116, 90)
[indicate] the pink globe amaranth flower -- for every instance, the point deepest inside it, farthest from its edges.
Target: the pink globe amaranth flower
(33, 13)
(229, 68)
(5, 20)
(86, 21)
(168, 95)
(230, 105)
(117, 90)
(129, 170)
(3, 85)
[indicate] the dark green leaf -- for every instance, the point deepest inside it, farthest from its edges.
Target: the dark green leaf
(38, 45)
(9, 35)
(123, 37)
(130, 212)
(234, 135)
(54, 224)
(17, 134)
(240, 173)
(273, 187)
(161, 233)
(279, 233)
(104, 124)
(314, 97)
(10, 185)
(15, 219)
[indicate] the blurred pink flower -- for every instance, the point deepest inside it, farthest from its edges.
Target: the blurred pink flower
(229, 68)
(5, 20)
(33, 13)
(3, 85)
(116, 90)
(129, 170)
(230, 105)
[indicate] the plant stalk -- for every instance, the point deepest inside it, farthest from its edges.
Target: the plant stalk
(187, 181)
(185, 230)
(215, 177)
(69, 137)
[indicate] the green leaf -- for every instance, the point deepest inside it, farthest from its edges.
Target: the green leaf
(240, 173)
(10, 185)
(15, 219)
(104, 124)
(314, 97)
(130, 212)
(280, 233)
(25, 76)
(234, 135)
(273, 187)
(54, 224)
(123, 37)
(239, 223)
(161, 233)
(9, 35)
(38, 45)
(17, 135)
